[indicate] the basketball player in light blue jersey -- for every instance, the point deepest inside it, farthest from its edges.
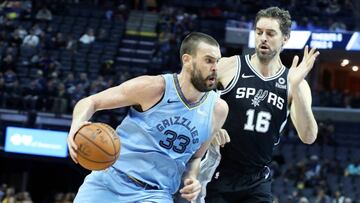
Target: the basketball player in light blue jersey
(167, 130)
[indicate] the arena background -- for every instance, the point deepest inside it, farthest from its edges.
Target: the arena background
(54, 53)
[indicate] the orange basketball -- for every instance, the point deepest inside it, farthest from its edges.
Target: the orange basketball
(98, 146)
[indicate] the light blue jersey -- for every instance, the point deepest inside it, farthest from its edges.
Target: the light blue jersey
(155, 147)
(157, 144)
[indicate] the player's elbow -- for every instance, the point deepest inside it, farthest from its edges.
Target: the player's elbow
(309, 136)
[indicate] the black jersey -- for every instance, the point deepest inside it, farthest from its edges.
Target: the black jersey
(258, 111)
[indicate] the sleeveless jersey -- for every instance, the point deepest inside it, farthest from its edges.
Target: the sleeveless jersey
(157, 144)
(258, 111)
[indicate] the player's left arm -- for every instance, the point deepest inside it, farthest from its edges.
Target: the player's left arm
(301, 112)
(302, 115)
(192, 186)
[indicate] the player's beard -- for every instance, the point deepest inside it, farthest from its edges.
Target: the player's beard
(199, 82)
(265, 57)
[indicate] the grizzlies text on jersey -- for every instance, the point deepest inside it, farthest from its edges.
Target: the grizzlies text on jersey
(157, 143)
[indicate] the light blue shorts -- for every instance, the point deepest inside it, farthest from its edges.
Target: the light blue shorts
(111, 185)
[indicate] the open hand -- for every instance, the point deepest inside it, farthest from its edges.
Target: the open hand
(298, 72)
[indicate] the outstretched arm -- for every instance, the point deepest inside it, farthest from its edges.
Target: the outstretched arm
(301, 113)
(192, 186)
(143, 91)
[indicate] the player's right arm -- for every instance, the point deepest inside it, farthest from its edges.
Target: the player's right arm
(192, 186)
(143, 91)
(227, 70)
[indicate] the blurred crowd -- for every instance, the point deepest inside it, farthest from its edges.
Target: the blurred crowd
(8, 194)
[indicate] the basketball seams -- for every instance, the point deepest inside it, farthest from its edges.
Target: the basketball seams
(115, 134)
(94, 161)
(112, 131)
(108, 134)
(92, 142)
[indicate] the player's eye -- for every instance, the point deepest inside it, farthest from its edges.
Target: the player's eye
(271, 34)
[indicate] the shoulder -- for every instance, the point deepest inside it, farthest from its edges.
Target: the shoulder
(221, 109)
(146, 82)
(144, 87)
(232, 60)
(146, 90)
(227, 67)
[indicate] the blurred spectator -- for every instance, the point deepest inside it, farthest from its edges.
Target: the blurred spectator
(59, 41)
(121, 13)
(31, 39)
(88, 37)
(348, 200)
(107, 68)
(59, 198)
(77, 94)
(326, 133)
(15, 39)
(303, 200)
(31, 98)
(2, 93)
(44, 14)
(8, 64)
(2, 191)
(321, 196)
(37, 30)
(338, 197)
(21, 31)
(338, 26)
(9, 195)
(69, 82)
(60, 101)
(313, 169)
(10, 77)
(353, 168)
(71, 43)
(69, 197)
(333, 7)
(102, 35)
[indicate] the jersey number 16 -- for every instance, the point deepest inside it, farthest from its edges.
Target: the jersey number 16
(262, 121)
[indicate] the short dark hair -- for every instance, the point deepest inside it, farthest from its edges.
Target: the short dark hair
(190, 43)
(283, 16)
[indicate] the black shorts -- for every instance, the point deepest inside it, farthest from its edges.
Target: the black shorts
(240, 188)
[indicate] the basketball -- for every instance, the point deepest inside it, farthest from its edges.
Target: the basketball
(98, 146)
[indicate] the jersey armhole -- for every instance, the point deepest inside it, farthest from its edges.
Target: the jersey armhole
(156, 103)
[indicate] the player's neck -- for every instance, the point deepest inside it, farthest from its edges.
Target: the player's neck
(191, 94)
(266, 68)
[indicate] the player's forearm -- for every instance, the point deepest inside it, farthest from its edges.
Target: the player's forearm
(193, 168)
(83, 110)
(305, 122)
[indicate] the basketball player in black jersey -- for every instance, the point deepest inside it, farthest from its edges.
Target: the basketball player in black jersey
(260, 93)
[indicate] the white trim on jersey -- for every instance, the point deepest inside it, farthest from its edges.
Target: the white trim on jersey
(235, 79)
(287, 112)
(278, 74)
(282, 126)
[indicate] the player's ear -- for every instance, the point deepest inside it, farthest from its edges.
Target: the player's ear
(186, 59)
(286, 39)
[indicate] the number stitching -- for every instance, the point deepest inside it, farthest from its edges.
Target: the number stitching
(168, 143)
